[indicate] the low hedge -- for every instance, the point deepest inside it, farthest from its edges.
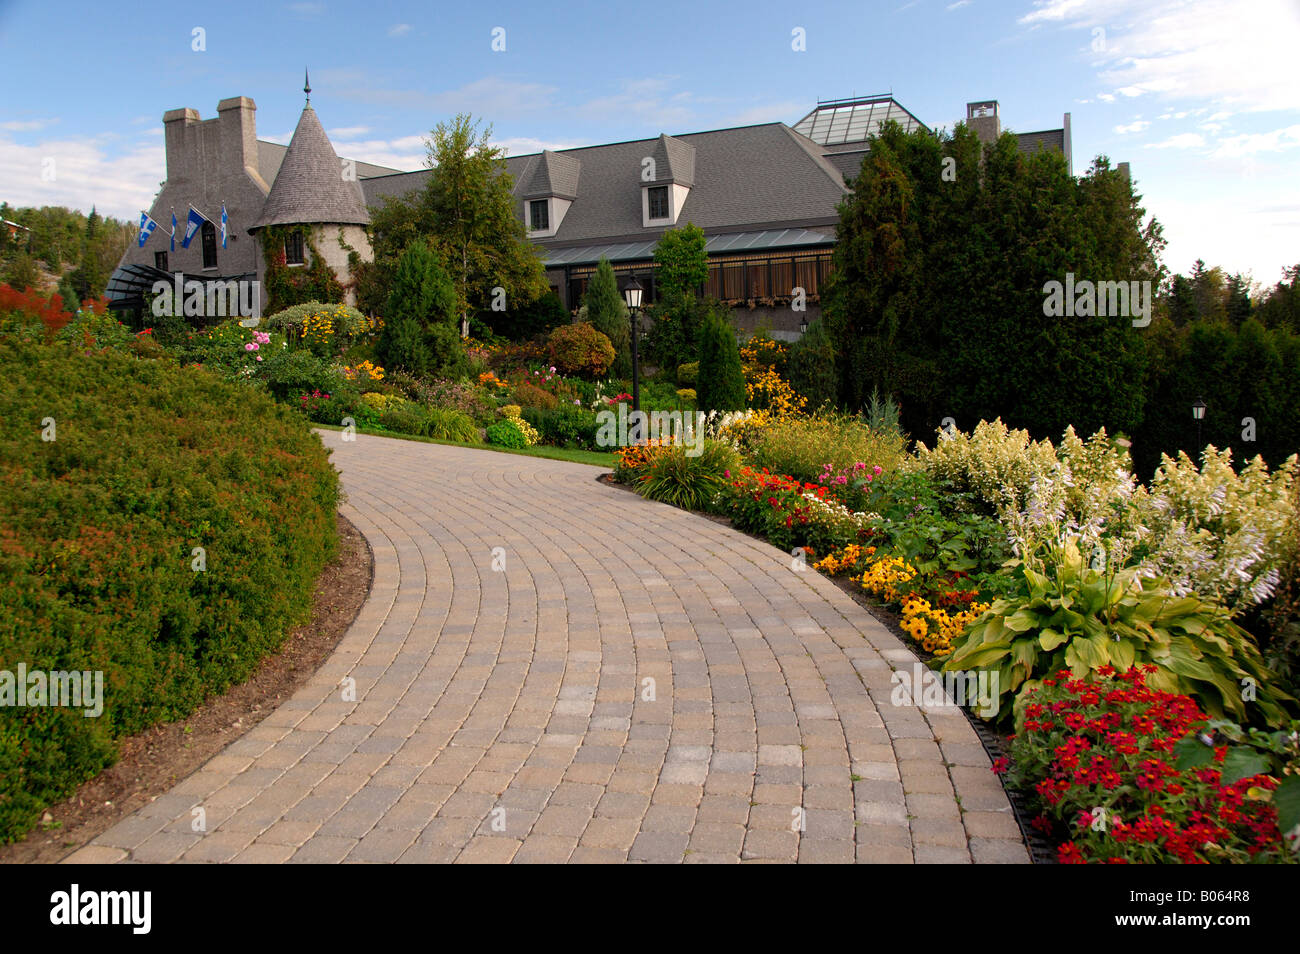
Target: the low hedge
(98, 566)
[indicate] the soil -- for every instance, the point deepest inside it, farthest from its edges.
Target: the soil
(156, 759)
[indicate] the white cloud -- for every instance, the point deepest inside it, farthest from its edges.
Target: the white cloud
(1222, 52)
(399, 29)
(1134, 127)
(648, 103)
(1052, 10)
(525, 145)
(405, 153)
(348, 132)
(307, 9)
(26, 125)
(1183, 141)
(84, 174)
(959, 4)
(783, 111)
(1106, 97)
(1237, 147)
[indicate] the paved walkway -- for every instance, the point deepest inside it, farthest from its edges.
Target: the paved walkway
(619, 681)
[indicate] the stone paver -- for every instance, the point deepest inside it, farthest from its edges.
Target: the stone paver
(552, 670)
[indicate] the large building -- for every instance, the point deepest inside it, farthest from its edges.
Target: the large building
(766, 196)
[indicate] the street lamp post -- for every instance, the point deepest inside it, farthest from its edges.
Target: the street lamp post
(1198, 412)
(632, 295)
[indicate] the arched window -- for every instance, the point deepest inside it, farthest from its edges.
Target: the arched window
(209, 233)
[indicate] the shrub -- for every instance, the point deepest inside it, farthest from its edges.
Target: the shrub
(604, 308)
(511, 432)
(403, 418)
(812, 366)
(673, 476)
(456, 396)
(688, 374)
(529, 395)
(565, 426)
(290, 373)
(804, 447)
(721, 382)
(1079, 618)
(402, 346)
(98, 531)
(448, 425)
(1099, 755)
(582, 350)
(325, 329)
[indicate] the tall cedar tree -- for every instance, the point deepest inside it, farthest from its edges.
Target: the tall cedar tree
(720, 385)
(607, 313)
(936, 297)
(419, 326)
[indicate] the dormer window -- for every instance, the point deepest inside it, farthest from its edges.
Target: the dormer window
(658, 202)
(539, 215)
(293, 251)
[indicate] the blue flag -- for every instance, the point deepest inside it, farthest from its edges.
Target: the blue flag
(147, 225)
(173, 231)
(192, 226)
(223, 225)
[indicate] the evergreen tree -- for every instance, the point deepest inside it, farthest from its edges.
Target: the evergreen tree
(607, 313)
(812, 366)
(720, 385)
(420, 316)
(1237, 299)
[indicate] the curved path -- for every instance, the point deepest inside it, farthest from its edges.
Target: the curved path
(550, 669)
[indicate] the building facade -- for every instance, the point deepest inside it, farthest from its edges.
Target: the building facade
(766, 197)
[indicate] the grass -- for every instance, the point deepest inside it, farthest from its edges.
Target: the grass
(594, 458)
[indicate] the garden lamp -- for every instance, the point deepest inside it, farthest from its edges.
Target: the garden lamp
(632, 295)
(1198, 412)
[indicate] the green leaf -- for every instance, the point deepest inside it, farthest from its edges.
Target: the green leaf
(1243, 763)
(1049, 639)
(1286, 799)
(1190, 752)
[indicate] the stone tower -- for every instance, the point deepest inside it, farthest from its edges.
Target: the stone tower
(319, 193)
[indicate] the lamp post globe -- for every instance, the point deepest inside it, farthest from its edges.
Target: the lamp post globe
(632, 292)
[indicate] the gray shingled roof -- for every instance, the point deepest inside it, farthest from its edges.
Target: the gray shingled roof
(550, 173)
(745, 178)
(309, 186)
(674, 160)
(1031, 142)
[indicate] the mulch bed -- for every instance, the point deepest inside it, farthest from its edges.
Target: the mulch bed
(156, 759)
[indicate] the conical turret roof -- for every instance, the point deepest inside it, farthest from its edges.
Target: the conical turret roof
(309, 187)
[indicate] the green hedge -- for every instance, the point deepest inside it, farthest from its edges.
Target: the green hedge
(97, 535)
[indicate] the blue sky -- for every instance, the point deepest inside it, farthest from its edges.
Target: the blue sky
(1202, 98)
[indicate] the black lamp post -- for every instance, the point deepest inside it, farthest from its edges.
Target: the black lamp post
(1198, 412)
(632, 295)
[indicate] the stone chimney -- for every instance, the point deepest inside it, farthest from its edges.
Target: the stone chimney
(176, 132)
(983, 118)
(238, 117)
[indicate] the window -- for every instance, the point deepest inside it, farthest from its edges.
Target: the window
(539, 215)
(160, 261)
(293, 249)
(209, 245)
(658, 202)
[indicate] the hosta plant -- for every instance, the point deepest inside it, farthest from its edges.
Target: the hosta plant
(1079, 618)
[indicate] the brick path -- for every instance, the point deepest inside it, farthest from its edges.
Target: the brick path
(637, 684)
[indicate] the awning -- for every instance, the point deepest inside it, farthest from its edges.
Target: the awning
(713, 245)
